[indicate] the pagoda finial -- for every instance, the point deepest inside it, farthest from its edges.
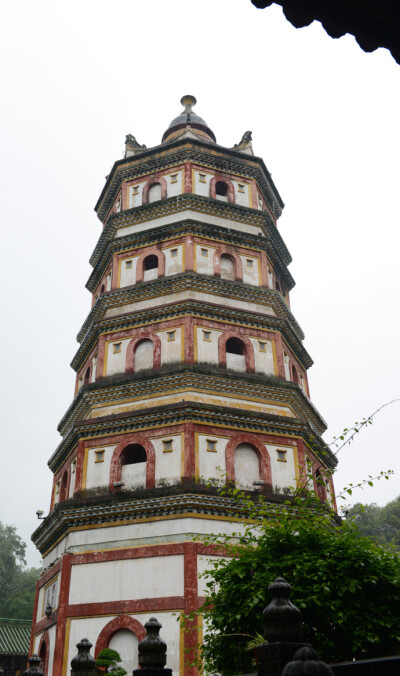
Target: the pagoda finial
(188, 101)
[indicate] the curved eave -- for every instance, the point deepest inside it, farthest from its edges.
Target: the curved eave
(163, 154)
(188, 281)
(198, 377)
(182, 412)
(179, 229)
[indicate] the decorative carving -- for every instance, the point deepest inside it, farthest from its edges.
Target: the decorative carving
(83, 663)
(282, 619)
(246, 139)
(34, 669)
(306, 663)
(132, 142)
(152, 652)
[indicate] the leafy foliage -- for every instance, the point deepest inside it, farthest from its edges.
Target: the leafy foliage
(17, 584)
(108, 661)
(346, 585)
(380, 523)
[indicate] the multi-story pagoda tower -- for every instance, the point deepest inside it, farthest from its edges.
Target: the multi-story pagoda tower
(190, 365)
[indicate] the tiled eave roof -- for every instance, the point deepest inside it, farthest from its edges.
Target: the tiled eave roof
(199, 377)
(107, 509)
(188, 281)
(197, 309)
(188, 412)
(14, 636)
(176, 152)
(203, 205)
(179, 229)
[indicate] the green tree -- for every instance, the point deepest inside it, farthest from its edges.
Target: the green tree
(17, 585)
(346, 585)
(380, 523)
(108, 661)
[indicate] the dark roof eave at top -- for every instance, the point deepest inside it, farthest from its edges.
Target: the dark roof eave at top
(171, 145)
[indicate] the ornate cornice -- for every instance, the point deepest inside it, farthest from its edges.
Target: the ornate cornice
(198, 377)
(198, 310)
(157, 288)
(203, 205)
(182, 412)
(164, 233)
(169, 154)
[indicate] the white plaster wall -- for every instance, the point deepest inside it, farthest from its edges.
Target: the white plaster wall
(144, 355)
(134, 476)
(171, 351)
(174, 188)
(205, 563)
(191, 294)
(109, 281)
(155, 577)
(235, 362)
(125, 642)
(72, 474)
(173, 264)
(207, 351)
(270, 278)
(263, 361)
(212, 463)
(155, 193)
(251, 275)
(135, 200)
(227, 267)
(286, 365)
(242, 198)
(168, 464)
(246, 466)
(93, 373)
(204, 264)
(201, 188)
(283, 473)
(116, 361)
(148, 275)
(98, 473)
(188, 214)
(128, 275)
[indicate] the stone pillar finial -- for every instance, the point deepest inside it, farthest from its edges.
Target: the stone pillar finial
(152, 652)
(83, 664)
(306, 663)
(34, 669)
(282, 619)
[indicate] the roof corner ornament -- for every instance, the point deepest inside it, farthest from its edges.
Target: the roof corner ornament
(245, 141)
(132, 146)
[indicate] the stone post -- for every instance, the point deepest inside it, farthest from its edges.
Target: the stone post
(34, 669)
(307, 663)
(152, 652)
(282, 631)
(83, 663)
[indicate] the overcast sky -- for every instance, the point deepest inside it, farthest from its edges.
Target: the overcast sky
(76, 78)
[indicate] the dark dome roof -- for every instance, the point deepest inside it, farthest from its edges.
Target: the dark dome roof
(188, 118)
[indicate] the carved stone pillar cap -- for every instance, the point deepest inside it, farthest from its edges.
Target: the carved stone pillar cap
(282, 620)
(83, 660)
(153, 648)
(306, 663)
(34, 662)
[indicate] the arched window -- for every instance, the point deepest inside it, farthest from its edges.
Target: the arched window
(150, 267)
(221, 191)
(295, 375)
(125, 642)
(144, 355)
(227, 266)
(63, 487)
(103, 288)
(133, 461)
(235, 354)
(247, 466)
(43, 658)
(155, 192)
(86, 378)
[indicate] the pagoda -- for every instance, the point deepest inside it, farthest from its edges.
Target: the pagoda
(191, 372)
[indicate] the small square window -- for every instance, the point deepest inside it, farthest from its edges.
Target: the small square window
(174, 253)
(167, 445)
(262, 346)
(135, 190)
(128, 265)
(174, 178)
(281, 455)
(202, 178)
(116, 347)
(211, 445)
(99, 456)
(207, 336)
(204, 253)
(249, 262)
(170, 336)
(241, 187)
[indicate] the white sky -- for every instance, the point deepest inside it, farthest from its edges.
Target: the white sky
(76, 77)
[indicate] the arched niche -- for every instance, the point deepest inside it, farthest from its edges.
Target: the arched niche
(117, 624)
(143, 355)
(222, 188)
(155, 189)
(228, 266)
(63, 487)
(125, 642)
(247, 466)
(245, 441)
(235, 352)
(134, 458)
(133, 461)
